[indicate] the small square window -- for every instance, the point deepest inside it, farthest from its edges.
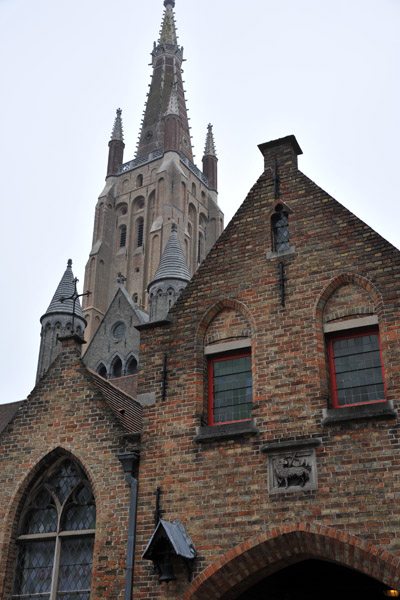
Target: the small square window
(229, 388)
(356, 368)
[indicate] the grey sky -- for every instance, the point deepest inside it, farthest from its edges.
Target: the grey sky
(326, 71)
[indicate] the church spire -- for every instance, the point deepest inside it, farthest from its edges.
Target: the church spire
(210, 159)
(116, 146)
(166, 92)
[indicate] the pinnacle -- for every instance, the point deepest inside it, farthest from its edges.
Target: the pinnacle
(168, 29)
(209, 149)
(117, 134)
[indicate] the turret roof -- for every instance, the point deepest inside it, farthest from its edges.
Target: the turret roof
(173, 263)
(65, 289)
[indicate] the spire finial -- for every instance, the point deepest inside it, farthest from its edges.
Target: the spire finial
(174, 226)
(171, 2)
(209, 149)
(117, 133)
(69, 264)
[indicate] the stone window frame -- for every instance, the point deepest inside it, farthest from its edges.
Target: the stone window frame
(218, 356)
(39, 484)
(350, 332)
(332, 416)
(274, 252)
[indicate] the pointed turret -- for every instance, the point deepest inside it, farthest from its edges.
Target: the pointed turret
(116, 146)
(171, 277)
(166, 93)
(210, 159)
(57, 320)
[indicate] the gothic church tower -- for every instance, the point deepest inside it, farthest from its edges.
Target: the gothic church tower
(145, 196)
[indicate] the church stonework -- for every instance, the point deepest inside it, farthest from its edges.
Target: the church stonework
(143, 197)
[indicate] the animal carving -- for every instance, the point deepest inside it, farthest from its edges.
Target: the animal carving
(285, 472)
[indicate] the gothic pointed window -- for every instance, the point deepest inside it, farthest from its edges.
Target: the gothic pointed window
(56, 536)
(280, 229)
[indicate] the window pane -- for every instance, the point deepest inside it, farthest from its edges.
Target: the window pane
(34, 569)
(75, 568)
(82, 513)
(64, 480)
(232, 389)
(42, 517)
(358, 369)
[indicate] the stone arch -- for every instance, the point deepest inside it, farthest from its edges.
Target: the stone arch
(21, 490)
(260, 556)
(116, 365)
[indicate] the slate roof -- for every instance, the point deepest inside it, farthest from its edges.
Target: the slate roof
(65, 289)
(173, 263)
(7, 411)
(127, 410)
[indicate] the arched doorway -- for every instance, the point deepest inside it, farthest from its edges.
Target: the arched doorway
(313, 579)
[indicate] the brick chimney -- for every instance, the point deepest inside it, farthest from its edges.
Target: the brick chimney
(283, 152)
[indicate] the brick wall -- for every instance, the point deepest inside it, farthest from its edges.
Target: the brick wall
(66, 414)
(219, 489)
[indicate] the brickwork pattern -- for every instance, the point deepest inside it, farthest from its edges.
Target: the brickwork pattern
(66, 414)
(219, 489)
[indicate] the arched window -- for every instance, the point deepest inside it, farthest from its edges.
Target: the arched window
(56, 536)
(116, 367)
(122, 236)
(194, 190)
(102, 371)
(140, 225)
(280, 229)
(139, 180)
(131, 368)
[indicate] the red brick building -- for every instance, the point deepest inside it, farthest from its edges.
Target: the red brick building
(266, 423)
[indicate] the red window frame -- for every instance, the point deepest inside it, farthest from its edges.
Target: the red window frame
(211, 361)
(345, 335)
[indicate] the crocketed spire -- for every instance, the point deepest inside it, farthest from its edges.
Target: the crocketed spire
(65, 289)
(209, 149)
(173, 263)
(168, 29)
(117, 134)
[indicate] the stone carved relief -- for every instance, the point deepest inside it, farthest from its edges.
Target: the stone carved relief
(292, 471)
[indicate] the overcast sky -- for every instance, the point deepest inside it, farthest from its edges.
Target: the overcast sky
(326, 71)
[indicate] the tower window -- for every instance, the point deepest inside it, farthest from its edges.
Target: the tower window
(132, 367)
(122, 237)
(116, 367)
(140, 226)
(56, 536)
(280, 229)
(229, 388)
(139, 180)
(356, 370)
(102, 371)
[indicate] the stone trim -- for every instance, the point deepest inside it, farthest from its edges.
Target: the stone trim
(213, 433)
(289, 445)
(291, 250)
(227, 346)
(351, 324)
(332, 416)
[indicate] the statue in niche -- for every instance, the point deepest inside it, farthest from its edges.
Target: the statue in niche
(290, 471)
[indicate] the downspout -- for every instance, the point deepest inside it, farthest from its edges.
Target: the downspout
(130, 462)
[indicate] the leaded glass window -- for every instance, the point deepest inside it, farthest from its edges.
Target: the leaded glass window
(230, 388)
(355, 363)
(56, 536)
(280, 229)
